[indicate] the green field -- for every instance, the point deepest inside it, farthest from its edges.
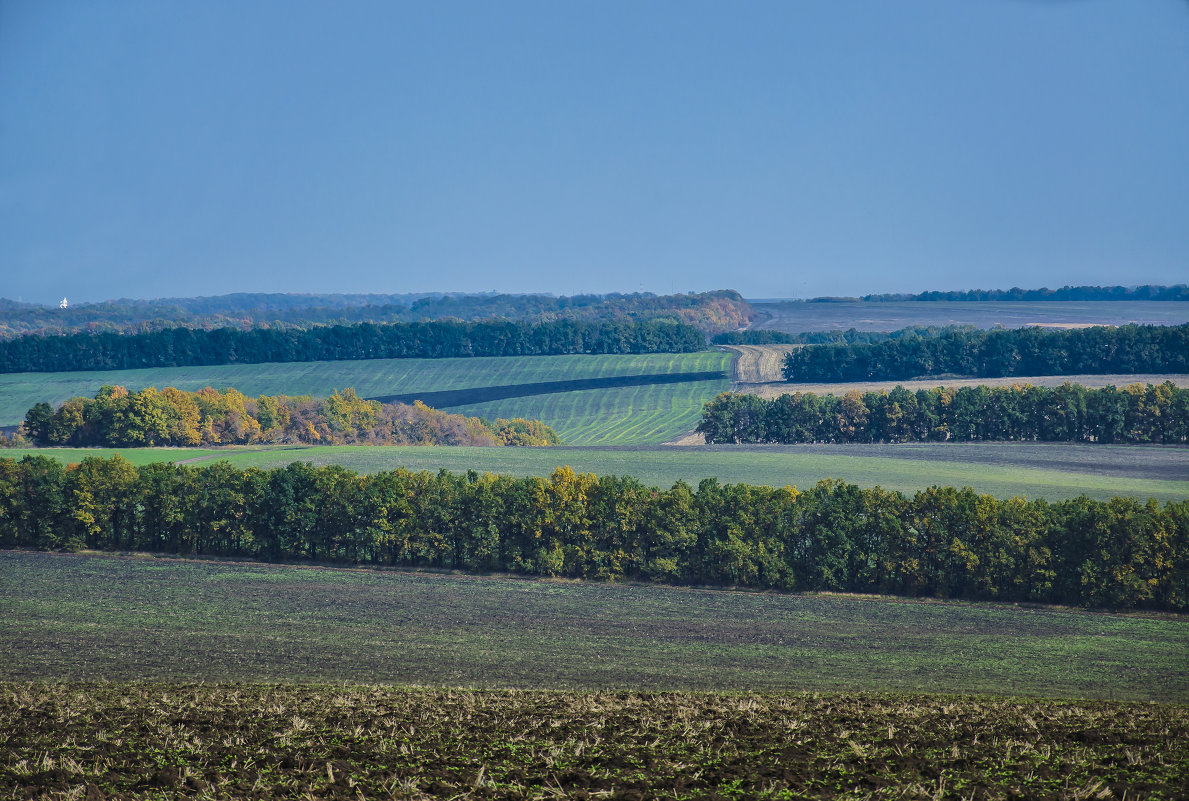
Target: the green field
(1053, 471)
(74, 617)
(627, 415)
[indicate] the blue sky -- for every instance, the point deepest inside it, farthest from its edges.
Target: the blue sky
(784, 149)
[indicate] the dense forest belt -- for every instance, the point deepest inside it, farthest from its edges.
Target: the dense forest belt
(177, 347)
(1068, 413)
(461, 397)
(179, 740)
(835, 537)
(1024, 351)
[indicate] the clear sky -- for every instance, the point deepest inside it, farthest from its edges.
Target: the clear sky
(784, 149)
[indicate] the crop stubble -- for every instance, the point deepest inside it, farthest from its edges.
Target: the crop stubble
(153, 741)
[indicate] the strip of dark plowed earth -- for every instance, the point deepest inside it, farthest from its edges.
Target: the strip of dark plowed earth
(99, 741)
(1163, 462)
(463, 397)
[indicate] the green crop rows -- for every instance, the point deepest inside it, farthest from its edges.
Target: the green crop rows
(613, 416)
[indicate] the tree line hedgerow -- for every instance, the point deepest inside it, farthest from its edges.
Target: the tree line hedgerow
(1068, 413)
(117, 418)
(941, 542)
(1020, 351)
(1065, 293)
(183, 347)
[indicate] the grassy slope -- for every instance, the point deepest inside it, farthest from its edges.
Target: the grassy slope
(663, 466)
(620, 416)
(102, 617)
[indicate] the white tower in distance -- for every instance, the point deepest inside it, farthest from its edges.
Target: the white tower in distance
(62, 304)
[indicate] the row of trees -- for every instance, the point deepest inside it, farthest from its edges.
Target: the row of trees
(180, 347)
(941, 542)
(1021, 351)
(720, 310)
(1068, 413)
(117, 418)
(1066, 293)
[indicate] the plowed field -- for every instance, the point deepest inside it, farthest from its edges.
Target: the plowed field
(168, 741)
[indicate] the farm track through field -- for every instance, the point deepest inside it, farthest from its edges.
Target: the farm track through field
(754, 364)
(462, 397)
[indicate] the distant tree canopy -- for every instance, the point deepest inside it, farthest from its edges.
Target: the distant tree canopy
(118, 418)
(835, 537)
(719, 310)
(1067, 293)
(182, 347)
(989, 354)
(1069, 413)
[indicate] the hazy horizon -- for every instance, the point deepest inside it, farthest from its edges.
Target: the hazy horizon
(826, 147)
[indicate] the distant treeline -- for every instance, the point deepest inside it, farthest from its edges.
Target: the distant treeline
(1146, 292)
(1069, 413)
(118, 418)
(1019, 351)
(719, 310)
(762, 336)
(183, 347)
(941, 542)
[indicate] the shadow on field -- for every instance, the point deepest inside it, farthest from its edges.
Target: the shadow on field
(464, 397)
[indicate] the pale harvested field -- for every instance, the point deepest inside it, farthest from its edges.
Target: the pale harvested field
(758, 363)
(772, 389)
(796, 317)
